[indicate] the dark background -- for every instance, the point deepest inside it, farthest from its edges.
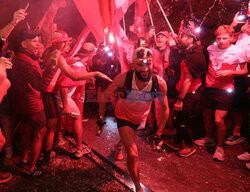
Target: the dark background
(69, 20)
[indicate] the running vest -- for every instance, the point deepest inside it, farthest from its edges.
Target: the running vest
(134, 104)
(127, 87)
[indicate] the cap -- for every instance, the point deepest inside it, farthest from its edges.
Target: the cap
(86, 49)
(89, 47)
(26, 35)
(142, 53)
(60, 36)
(165, 33)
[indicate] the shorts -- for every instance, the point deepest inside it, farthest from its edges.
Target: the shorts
(218, 99)
(122, 123)
(192, 101)
(72, 106)
(50, 106)
(36, 120)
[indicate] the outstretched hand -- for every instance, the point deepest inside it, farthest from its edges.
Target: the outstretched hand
(19, 15)
(101, 75)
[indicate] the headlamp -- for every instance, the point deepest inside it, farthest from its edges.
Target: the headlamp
(143, 61)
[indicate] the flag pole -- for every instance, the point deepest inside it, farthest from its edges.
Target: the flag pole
(169, 25)
(81, 38)
(124, 24)
(150, 16)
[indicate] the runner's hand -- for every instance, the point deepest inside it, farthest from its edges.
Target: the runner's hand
(178, 105)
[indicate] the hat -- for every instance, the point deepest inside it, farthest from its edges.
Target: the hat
(165, 33)
(142, 53)
(26, 35)
(87, 48)
(60, 36)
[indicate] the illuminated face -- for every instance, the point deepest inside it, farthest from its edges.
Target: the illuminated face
(161, 41)
(31, 45)
(143, 70)
(223, 40)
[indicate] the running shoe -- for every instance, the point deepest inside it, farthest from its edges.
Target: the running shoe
(205, 141)
(244, 156)
(219, 154)
(235, 139)
(80, 152)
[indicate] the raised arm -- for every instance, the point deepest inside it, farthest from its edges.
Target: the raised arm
(76, 76)
(18, 16)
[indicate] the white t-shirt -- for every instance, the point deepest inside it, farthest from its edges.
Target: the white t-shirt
(223, 59)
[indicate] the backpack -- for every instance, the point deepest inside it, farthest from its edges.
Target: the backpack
(127, 87)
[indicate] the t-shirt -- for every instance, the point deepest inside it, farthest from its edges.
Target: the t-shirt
(196, 83)
(65, 81)
(223, 59)
(27, 83)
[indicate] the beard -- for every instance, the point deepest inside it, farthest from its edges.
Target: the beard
(144, 79)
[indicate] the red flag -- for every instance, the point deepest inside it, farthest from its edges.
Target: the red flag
(90, 12)
(125, 49)
(107, 9)
(140, 10)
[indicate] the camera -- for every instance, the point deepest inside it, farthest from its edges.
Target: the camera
(243, 14)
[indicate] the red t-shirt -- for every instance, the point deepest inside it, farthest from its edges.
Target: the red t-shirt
(27, 83)
(196, 83)
(223, 59)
